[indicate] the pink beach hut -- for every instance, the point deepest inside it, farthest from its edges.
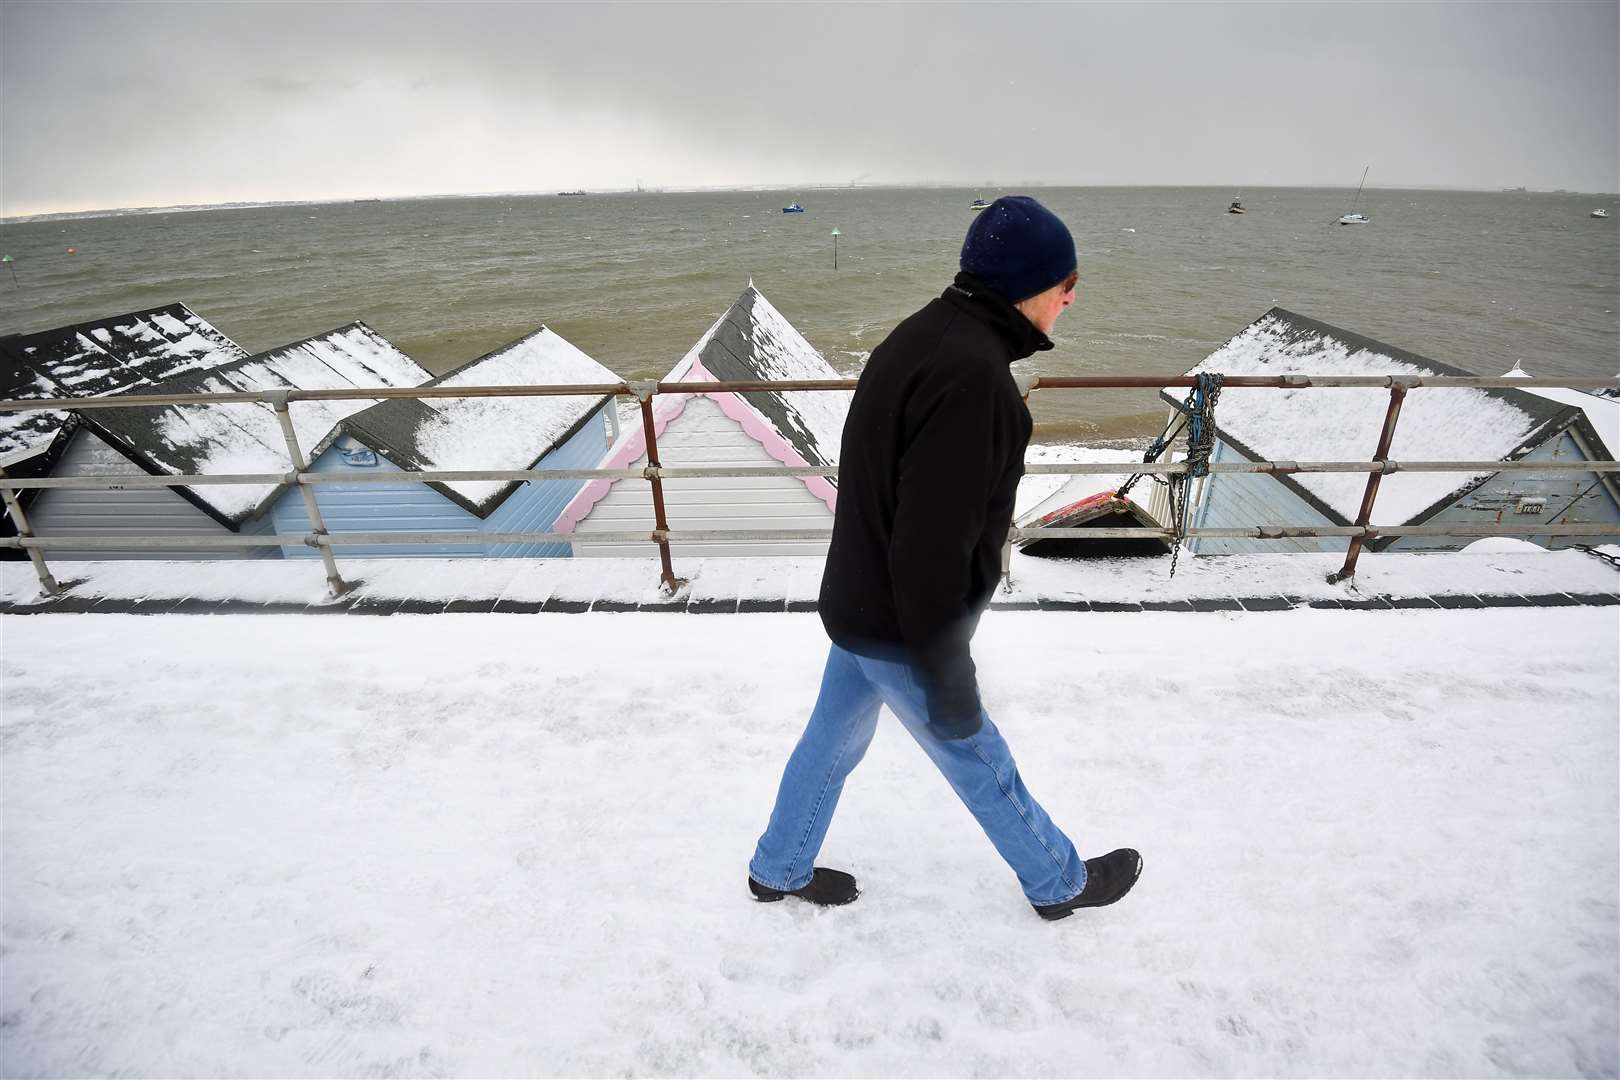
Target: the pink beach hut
(751, 341)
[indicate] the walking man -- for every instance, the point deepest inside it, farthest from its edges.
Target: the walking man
(932, 453)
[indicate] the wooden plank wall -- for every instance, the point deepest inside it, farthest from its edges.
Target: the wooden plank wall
(150, 511)
(703, 435)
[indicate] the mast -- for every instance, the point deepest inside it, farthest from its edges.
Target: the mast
(1358, 188)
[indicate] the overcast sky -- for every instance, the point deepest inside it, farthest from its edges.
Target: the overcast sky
(107, 105)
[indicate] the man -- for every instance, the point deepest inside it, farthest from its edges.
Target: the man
(932, 453)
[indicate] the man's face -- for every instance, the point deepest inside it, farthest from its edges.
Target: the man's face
(1043, 309)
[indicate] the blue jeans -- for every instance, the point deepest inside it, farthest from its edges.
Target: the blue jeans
(980, 769)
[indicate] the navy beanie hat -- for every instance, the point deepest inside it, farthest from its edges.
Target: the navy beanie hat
(1018, 247)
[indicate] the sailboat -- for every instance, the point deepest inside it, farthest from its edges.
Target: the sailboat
(1351, 216)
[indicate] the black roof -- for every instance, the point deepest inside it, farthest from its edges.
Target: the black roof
(395, 426)
(743, 348)
(98, 357)
(170, 439)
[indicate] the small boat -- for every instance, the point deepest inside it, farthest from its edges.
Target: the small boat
(978, 204)
(1236, 207)
(1600, 212)
(792, 208)
(580, 192)
(1351, 216)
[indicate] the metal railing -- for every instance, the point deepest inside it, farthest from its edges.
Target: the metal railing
(655, 473)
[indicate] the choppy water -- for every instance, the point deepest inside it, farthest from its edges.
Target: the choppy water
(1478, 280)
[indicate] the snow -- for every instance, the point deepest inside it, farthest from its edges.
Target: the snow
(239, 438)
(780, 353)
(511, 432)
(1343, 424)
(1483, 570)
(221, 439)
(170, 326)
(1603, 412)
(100, 364)
(1376, 844)
(31, 431)
(1049, 491)
(358, 355)
(247, 437)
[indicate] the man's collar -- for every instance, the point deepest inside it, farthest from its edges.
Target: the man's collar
(971, 294)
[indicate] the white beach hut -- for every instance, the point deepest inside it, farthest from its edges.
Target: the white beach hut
(119, 354)
(751, 341)
(193, 439)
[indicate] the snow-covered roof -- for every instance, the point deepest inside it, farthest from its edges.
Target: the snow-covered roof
(1601, 409)
(489, 432)
(246, 437)
(1343, 424)
(28, 432)
(754, 341)
(751, 342)
(103, 356)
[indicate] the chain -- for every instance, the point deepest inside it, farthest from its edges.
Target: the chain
(1612, 560)
(1157, 447)
(1178, 517)
(1200, 412)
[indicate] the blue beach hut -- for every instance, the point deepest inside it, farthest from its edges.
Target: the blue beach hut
(537, 433)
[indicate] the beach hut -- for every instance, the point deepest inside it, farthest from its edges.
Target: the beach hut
(235, 438)
(112, 355)
(751, 341)
(1098, 510)
(536, 433)
(1343, 424)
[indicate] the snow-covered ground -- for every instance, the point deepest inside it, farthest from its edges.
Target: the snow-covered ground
(1376, 843)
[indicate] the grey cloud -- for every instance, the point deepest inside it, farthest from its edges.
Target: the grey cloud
(282, 84)
(1459, 94)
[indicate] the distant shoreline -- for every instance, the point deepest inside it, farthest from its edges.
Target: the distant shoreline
(193, 208)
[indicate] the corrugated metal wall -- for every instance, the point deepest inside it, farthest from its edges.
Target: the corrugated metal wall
(703, 435)
(1569, 498)
(150, 511)
(1244, 500)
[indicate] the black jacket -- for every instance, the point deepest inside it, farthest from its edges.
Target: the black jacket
(932, 453)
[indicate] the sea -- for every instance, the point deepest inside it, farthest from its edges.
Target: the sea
(1478, 280)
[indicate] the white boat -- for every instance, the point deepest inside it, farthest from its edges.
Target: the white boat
(1236, 207)
(1351, 216)
(1600, 212)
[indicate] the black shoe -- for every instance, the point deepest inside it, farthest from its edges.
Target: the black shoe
(828, 888)
(1108, 877)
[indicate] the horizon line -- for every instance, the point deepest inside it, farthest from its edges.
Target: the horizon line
(112, 211)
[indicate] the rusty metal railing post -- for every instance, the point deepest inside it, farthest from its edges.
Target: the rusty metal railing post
(1397, 394)
(317, 524)
(644, 392)
(14, 507)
